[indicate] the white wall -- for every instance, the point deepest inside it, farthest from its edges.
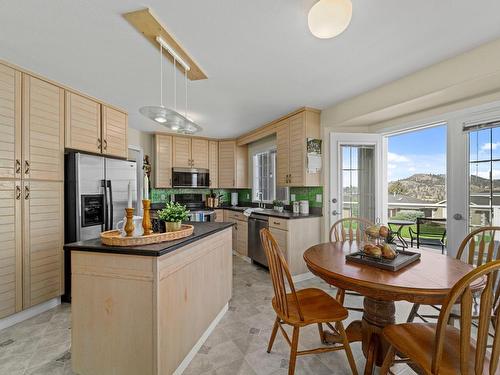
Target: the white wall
(467, 80)
(142, 139)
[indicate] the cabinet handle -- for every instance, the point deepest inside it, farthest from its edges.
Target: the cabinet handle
(26, 167)
(105, 145)
(99, 144)
(18, 192)
(26, 192)
(18, 166)
(275, 223)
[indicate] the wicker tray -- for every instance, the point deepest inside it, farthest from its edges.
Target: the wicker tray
(114, 237)
(403, 259)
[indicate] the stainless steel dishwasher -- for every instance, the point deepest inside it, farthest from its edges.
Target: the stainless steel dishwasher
(255, 249)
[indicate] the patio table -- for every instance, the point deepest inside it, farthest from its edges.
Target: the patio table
(402, 224)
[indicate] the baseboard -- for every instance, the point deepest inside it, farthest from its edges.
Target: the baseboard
(245, 258)
(187, 360)
(302, 277)
(29, 313)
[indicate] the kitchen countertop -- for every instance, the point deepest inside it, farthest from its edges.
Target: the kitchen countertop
(201, 230)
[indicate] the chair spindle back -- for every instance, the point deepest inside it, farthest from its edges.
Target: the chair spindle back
(479, 246)
(349, 229)
(278, 268)
(462, 293)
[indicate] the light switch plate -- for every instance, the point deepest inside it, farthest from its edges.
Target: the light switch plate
(319, 198)
(292, 197)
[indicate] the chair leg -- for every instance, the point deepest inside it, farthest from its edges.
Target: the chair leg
(347, 348)
(321, 333)
(293, 351)
(273, 334)
(388, 360)
(340, 296)
(413, 313)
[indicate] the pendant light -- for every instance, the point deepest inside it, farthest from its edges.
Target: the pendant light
(157, 113)
(329, 18)
(171, 118)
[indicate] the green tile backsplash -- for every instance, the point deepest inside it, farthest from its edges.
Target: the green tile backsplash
(244, 195)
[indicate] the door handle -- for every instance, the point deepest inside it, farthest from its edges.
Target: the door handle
(334, 200)
(334, 212)
(458, 217)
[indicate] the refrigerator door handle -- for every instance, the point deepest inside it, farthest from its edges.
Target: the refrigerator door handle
(108, 184)
(106, 207)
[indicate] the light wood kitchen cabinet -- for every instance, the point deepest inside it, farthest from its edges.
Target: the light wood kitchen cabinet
(11, 249)
(213, 163)
(190, 152)
(291, 149)
(199, 153)
(233, 165)
(114, 132)
(42, 129)
(163, 161)
(83, 123)
(10, 123)
(240, 231)
(43, 231)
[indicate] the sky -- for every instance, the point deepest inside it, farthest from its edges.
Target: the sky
(422, 151)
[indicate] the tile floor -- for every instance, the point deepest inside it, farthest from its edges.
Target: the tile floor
(237, 346)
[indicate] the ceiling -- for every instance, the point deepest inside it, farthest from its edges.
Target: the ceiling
(259, 56)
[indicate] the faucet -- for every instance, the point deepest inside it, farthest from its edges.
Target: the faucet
(260, 196)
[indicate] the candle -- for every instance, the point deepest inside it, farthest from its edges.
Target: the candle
(146, 187)
(129, 203)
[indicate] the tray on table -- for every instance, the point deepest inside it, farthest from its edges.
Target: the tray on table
(115, 238)
(403, 259)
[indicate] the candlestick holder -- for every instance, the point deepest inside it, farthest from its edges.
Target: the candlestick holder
(146, 217)
(129, 225)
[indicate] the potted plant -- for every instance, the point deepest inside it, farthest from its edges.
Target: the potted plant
(173, 215)
(278, 205)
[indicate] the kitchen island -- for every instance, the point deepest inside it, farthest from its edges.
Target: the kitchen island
(148, 309)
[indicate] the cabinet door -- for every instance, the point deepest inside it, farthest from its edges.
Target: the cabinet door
(83, 123)
(282, 153)
(281, 237)
(114, 132)
(43, 130)
(163, 161)
(10, 122)
(181, 152)
(242, 238)
(227, 164)
(213, 163)
(43, 240)
(11, 250)
(199, 153)
(297, 149)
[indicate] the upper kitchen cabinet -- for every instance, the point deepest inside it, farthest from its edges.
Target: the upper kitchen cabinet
(163, 161)
(43, 130)
(213, 163)
(10, 122)
(291, 141)
(114, 132)
(190, 152)
(95, 127)
(83, 123)
(233, 165)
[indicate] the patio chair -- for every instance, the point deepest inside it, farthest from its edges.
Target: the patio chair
(430, 232)
(443, 349)
(477, 248)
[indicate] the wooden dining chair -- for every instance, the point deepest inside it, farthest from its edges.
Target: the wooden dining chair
(443, 349)
(300, 308)
(477, 248)
(349, 229)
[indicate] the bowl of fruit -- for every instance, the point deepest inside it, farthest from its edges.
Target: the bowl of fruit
(380, 243)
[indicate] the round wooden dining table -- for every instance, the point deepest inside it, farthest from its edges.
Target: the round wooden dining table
(426, 281)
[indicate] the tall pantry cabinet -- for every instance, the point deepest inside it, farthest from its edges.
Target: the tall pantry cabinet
(31, 190)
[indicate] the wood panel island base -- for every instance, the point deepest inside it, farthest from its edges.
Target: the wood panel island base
(147, 310)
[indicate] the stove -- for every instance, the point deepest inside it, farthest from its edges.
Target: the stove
(195, 203)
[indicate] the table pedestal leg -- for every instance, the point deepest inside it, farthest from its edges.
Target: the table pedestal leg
(377, 314)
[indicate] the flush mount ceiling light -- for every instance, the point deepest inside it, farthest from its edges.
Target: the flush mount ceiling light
(329, 18)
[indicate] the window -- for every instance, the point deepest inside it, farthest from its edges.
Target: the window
(264, 176)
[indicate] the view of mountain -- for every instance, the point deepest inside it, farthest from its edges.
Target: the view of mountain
(432, 187)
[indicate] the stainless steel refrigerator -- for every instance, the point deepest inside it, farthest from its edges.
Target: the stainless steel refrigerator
(96, 195)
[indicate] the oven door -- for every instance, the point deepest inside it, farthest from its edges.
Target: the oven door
(189, 178)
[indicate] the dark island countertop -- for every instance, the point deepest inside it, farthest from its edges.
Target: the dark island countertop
(201, 230)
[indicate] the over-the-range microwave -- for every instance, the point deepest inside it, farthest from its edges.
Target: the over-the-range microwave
(190, 178)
